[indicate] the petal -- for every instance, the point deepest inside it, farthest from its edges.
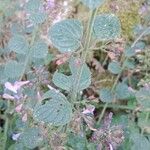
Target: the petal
(7, 96)
(18, 108)
(19, 84)
(10, 87)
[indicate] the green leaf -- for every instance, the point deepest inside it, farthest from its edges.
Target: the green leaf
(66, 35)
(62, 81)
(114, 67)
(3, 78)
(57, 111)
(37, 17)
(139, 142)
(31, 138)
(13, 69)
(143, 97)
(33, 5)
(76, 142)
(18, 44)
(106, 27)
(106, 95)
(39, 50)
(17, 146)
(129, 52)
(122, 91)
(69, 82)
(48, 58)
(92, 4)
(85, 76)
(129, 63)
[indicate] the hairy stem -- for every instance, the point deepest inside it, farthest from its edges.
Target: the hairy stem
(6, 126)
(84, 53)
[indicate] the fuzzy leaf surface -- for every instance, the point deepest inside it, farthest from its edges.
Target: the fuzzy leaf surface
(106, 27)
(57, 111)
(66, 35)
(18, 44)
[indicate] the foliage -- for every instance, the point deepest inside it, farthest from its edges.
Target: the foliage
(53, 97)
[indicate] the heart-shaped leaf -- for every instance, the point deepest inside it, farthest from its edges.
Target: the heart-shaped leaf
(66, 35)
(107, 27)
(31, 138)
(18, 44)
(143, 97)
(13, 69)
(114, 67)
(62, 81)
(39, 50)
(57, 111)
(106, 95)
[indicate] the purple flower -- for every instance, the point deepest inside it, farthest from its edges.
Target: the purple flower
(14, 88)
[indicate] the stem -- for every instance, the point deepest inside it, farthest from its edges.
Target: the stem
(6, 126)
(139, 37)
(84, 53)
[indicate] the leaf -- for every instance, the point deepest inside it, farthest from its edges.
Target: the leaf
(92, 4)
(85, 76)
(62, 81)
(143, 97)
(31, 138)
(13, 69)
(129, 52)
(18, 44)
(106, 27)
(69, 82)
(66, 35)
(106, 95)
(139, 142)
(17, 146)
(129, 63)
(39, 50)
(76, 142)
(114, 67)
(3, 78)
(57, 111)
(32, 6)
(37, 17)
(122, 91)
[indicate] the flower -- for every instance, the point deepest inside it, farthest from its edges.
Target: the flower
(13, 89)
(16, 86)
(16, 136)
(89, 110)
(7, 96)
